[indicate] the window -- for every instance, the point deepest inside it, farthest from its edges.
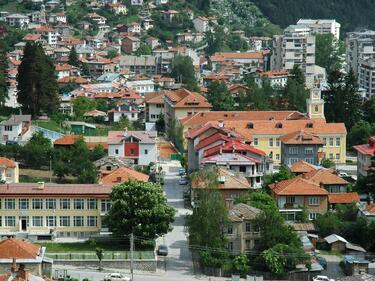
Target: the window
(106, 205)
(10, 221)
(290, 199)
(65, 204)
(277, 156)
(324, 141)
(247, 244)
(78, 220)
(65, 221)
(37, 204)
(337, 156)
(309, 160)
(37, 221)
(230, 246)
(278, 142)
(270, 142)
(330, 141)
(116, 151)
(338, 141)
(92, 221)
(316, 108)
(8, 128)
(153, 116)
(146, 151)
(314, 200)
(243, 169)
(92, 204)
(331, 156)
(51, 204)
(51, 221)
(308, 150)
(78, 204)
(131, 151)
(313, 216)
(230, 229)
(248, 227)
(24, 204)
(108, 168)
(293, 150)
(10, 204)
(255, 141)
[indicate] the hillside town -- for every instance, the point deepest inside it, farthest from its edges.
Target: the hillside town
(183, 140)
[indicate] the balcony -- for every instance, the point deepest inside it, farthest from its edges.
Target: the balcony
(289, 206)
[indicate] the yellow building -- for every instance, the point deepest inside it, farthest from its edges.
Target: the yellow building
(45, 211)
(265, 128)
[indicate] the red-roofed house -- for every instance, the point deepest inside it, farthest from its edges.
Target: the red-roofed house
(130, 44)
(9, 171)
(365, 153)
(123, 174)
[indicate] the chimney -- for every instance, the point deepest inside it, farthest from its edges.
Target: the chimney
(41, 185)
(221, 123)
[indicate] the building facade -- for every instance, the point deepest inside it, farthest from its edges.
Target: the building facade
(321, 26)
(365, 154)
(9, 170)
(366, 77)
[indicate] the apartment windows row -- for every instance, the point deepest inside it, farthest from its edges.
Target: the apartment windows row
(331, 142)
(249, 228)
(274, 142)
(333, 157)
(53, 204)
(50, 221)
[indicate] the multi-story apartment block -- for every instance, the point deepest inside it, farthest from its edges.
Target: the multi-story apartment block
(360, 46)
(243, 233)
(44, 211)
(366, 77)
(140, 146)
(295, 47)
(365, 154)
(17, 20)
(320, 26)
(154, 106)
(275, 78)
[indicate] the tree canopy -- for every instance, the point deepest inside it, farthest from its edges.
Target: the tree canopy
(330, 52)
(219, 97)
(183, 71)
(73, 57)
(3, 74)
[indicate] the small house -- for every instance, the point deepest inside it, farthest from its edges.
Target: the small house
(354, 265)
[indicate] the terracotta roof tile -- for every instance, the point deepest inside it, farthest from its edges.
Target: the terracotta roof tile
(324, 177)
(18, 249)
(231, 181)
(241, 212)
(124, 174)
(7, 162)
(371, 208)
(302, 167)
(343, 198)
(155, 98)
(297, 186)
(183, 98)
(67, 140)
(301, 137)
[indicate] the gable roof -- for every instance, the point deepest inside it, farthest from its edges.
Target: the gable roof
(12, 248)
(371, 208)
(368, 148)
(297, 186)
(123, 174)
(230, 180)
(116, 137)
(241, 212)
(67, 140)
(229, 158)
(343, 198)
(334, 238)
(16, 119)
(323, 176)
(155, 98)
(183, 98)
(211, 139)
(233, 145)
(302, 167)
(5, 162)
(301, 137)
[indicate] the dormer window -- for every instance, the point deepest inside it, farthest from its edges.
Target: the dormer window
(279, 125)
(309, 125)
(250, 125)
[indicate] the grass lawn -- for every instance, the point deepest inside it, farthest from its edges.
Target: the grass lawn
(50, 125)
(53, 247)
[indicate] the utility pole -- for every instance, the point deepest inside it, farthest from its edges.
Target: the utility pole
(131, 254)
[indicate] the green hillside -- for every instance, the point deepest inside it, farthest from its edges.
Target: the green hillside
(352, 14)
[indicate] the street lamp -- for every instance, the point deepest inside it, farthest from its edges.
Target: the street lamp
(132, 253)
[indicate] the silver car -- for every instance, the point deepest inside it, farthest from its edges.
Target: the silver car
(116, 277)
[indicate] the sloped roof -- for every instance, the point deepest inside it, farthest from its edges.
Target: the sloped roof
(183, 98)
(371, 208)
(211, 139)
(124, 174)
(155, 98)
(323, 176)
(297, 186)
(301, 137)
(67, 140)
(302, 167)
(233, 145)
(368, 148)
(229, 158)
(7, 162)
(12, 248)
(116, 137)
(241, 212)
(334, 238)
(343, 198)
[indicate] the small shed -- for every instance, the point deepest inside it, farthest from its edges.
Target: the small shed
(355, 265)
(336, 243)
(82, 128)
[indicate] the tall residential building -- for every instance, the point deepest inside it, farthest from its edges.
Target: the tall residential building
(295, 47)
(360, 46)
(366, 77)
(320, 26)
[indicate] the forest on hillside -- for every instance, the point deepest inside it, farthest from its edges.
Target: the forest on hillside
(352, 14)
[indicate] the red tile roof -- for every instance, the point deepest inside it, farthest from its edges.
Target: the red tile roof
(368, 148)
(233, 146)
(235, 55)
(211, 139)
(7, 162)
(343, 198)
(273, 73)
(123, 174)
(371, 208)
(297, 186)
(324, 177)
(301, 137)
(302, 167)
(12, 248)
(183, 98)
(67, 140)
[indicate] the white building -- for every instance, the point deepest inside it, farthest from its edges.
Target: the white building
(275, 78)
(320, 26)
(154, 106)
(204, 24)
(365, 152)
(16, 129)
(128, 111)
(140, 146)
(366, 77)
(9, 171)
(141, 86)
(136, 2)
(17, 20)
(295, 47)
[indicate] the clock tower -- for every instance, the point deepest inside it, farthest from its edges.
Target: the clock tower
(315, 104)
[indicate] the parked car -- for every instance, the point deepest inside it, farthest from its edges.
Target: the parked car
(181, 172)
(183, 181)
(322, 278)
(322, 261)
(116, 277)
(343, 175)
(162, 250)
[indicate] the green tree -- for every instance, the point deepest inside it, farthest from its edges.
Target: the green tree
(241, 264)
(327, 163)
(85, 69)
(123, 124)
(143, 49)
(369, 110)
(73, 57)
(99, 255)
(37, 85)
(360, 133)
(330, 52)
(37, 151)
(219, 97)
(259, 200)
(283, 174)
(81, 105)
(3, 74)
(183, 70)
(160, 124)
(295, 92)
(111, 54)
(328, 224)
(143, 210)
(215, 40)
(97, 153)
(236, 43)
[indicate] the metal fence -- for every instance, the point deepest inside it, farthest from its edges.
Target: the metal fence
(107, 255)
